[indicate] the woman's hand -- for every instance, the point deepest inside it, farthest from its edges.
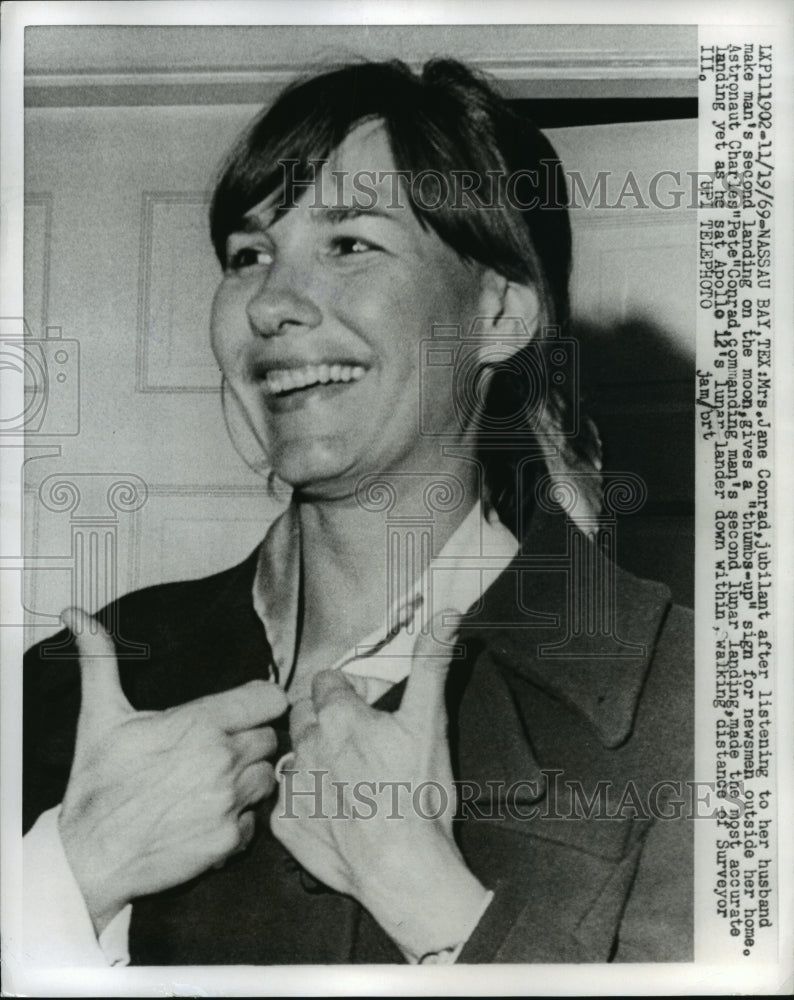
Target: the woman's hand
(156, 798)
(367, 805)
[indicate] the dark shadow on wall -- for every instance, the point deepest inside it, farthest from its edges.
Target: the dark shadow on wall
(639, 388)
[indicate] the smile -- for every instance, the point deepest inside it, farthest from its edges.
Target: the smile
(279, 381)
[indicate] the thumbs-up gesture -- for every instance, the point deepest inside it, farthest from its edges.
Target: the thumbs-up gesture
(156, 798)
(366, 805)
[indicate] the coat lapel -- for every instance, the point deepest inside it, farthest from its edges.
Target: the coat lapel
(547, 701)
(564, 618)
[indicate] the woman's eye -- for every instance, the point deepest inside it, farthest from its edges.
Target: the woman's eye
(344, 246)
(246, 257)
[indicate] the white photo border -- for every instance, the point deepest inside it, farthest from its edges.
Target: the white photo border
(388, 980)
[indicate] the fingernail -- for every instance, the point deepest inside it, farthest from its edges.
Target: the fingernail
(285, 763)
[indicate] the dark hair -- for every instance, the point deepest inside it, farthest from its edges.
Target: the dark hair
(448, 119)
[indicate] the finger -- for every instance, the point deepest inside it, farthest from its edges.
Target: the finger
(255, 783)
(424, 691)
(284, 763)
(245, 707)
(341, 712)
(247, 824)
(252, 745)
(332, 687)
(339, 708)
(101, 693)
(359, 684)
(301, 718)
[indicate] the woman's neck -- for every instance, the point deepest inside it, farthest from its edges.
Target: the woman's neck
(346, 565)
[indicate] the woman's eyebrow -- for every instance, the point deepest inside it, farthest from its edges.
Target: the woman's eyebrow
(339, 214)
(254, 223)
(248, 225)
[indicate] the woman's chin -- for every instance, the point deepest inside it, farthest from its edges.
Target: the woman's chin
(319, 476)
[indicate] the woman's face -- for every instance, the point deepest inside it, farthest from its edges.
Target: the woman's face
(318, 326)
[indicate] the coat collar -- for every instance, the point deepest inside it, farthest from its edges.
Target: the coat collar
(596, 669)
(452, 580)
(566, 618)
(534, 623)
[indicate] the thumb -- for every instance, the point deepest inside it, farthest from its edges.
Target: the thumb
(101, 693)
(424, 692)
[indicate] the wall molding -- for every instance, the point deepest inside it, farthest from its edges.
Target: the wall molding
(164, 353)
(38, 251)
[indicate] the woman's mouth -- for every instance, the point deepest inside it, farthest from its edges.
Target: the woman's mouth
(288, 389)
(280, 381)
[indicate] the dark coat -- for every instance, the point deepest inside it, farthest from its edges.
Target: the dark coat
(566, 889)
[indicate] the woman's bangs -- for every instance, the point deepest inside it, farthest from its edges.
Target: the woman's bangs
(278, 157)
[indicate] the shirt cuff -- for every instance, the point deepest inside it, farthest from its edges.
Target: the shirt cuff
(57, 926)
(450, 955)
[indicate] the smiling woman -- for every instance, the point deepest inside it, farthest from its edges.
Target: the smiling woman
(431, 657)
(369, 137)
(355, 294)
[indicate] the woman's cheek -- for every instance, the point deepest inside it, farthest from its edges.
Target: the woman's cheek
(225, 337)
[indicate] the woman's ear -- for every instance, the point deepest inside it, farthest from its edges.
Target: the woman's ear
(509, 314)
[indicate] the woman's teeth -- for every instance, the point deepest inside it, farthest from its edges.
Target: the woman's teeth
(287, 379)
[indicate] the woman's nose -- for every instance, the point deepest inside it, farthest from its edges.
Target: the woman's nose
(280, 304)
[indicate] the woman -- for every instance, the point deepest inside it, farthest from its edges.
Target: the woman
(396, 255)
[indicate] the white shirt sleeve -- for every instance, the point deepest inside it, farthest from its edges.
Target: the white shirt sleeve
(450, 955)
(57, 926)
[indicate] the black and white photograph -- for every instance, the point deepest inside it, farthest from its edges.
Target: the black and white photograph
(396, 582)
